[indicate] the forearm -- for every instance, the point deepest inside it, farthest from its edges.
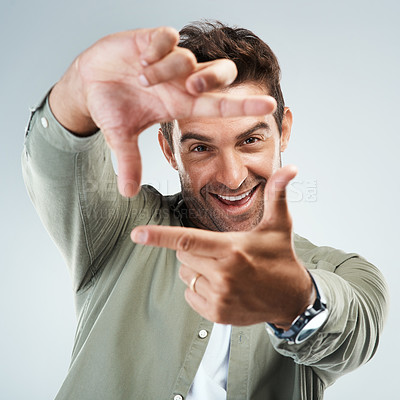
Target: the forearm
(357, 298)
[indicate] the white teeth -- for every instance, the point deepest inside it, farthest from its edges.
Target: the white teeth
(235, 198)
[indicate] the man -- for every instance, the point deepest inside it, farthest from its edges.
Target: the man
(258, 312)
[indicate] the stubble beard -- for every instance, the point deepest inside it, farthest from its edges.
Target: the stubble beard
(203, 215)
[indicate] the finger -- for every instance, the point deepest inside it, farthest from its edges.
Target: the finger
(197, 302)
(196, 241)
(276, 213)
(201, 285)
(204, 264)
(175, 65)
(197, 298)
(211, 75)
(225, 105)
(129, 166)
(161, 41)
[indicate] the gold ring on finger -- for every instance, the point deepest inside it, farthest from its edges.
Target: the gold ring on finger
(192, 284)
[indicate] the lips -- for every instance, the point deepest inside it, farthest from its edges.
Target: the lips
(234, 198)
(237, 200)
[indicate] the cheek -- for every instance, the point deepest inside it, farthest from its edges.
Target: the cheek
(264, 164)
(192, 177)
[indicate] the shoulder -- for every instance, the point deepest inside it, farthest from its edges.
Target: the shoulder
(351, 267)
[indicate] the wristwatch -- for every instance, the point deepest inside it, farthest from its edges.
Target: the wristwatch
(306, 324)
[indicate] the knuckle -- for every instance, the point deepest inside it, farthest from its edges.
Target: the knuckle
(237, 251)
(153, 237)
(185, 242)
(187, 59)
(220, 284)
(117, 138)
(221, 73)
(183, 273)
(169, 33)
(223, 285)
(180, 255)
(231, 66)
(153, 74)
(227, 65)
(223, 107)
(269, 221)
(212, 81)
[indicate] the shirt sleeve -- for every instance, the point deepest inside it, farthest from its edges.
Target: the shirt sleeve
(72, 184)
(357, 299)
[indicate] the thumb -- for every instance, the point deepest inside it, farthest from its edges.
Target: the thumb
(276, 210)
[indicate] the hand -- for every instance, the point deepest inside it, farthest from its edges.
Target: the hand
(245, 277)
(129, 81)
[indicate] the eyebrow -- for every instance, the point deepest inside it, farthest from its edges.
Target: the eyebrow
(201, 138)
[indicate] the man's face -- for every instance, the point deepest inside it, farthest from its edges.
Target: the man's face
(224, 164)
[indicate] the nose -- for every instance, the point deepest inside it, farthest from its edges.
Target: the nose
(231, 170)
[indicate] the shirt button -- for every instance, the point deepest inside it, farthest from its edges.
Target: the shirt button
(44, 122)
(203, 334)
(178, 397)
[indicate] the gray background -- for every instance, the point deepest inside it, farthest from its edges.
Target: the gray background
(340, 62)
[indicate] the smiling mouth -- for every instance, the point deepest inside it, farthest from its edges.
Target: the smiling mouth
(238, 200)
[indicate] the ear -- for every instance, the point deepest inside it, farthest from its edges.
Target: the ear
(287, 122)
(166, 149)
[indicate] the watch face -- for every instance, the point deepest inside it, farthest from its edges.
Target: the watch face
(312, 326)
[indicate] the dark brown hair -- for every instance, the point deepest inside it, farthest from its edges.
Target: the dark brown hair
(254, 59)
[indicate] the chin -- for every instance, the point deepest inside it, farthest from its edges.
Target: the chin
(232, 227)
(239, 224)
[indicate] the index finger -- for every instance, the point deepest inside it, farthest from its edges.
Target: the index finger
(221, 105)
(195, 241)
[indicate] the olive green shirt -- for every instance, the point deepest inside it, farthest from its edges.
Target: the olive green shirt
(136, 336)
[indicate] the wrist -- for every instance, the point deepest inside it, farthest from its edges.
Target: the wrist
(68, 104)
(305, 324)
(302, 296)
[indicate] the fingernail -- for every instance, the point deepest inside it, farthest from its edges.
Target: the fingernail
(128, 188)
(143, 80)
(144, 63)
(140, 237)
(200, 85)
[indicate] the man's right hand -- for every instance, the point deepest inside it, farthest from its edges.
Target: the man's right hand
(131, 80)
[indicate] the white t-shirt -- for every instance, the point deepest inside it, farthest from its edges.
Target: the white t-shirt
(211, 377)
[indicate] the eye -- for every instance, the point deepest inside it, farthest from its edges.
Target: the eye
(251, 140)
(200, 148)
